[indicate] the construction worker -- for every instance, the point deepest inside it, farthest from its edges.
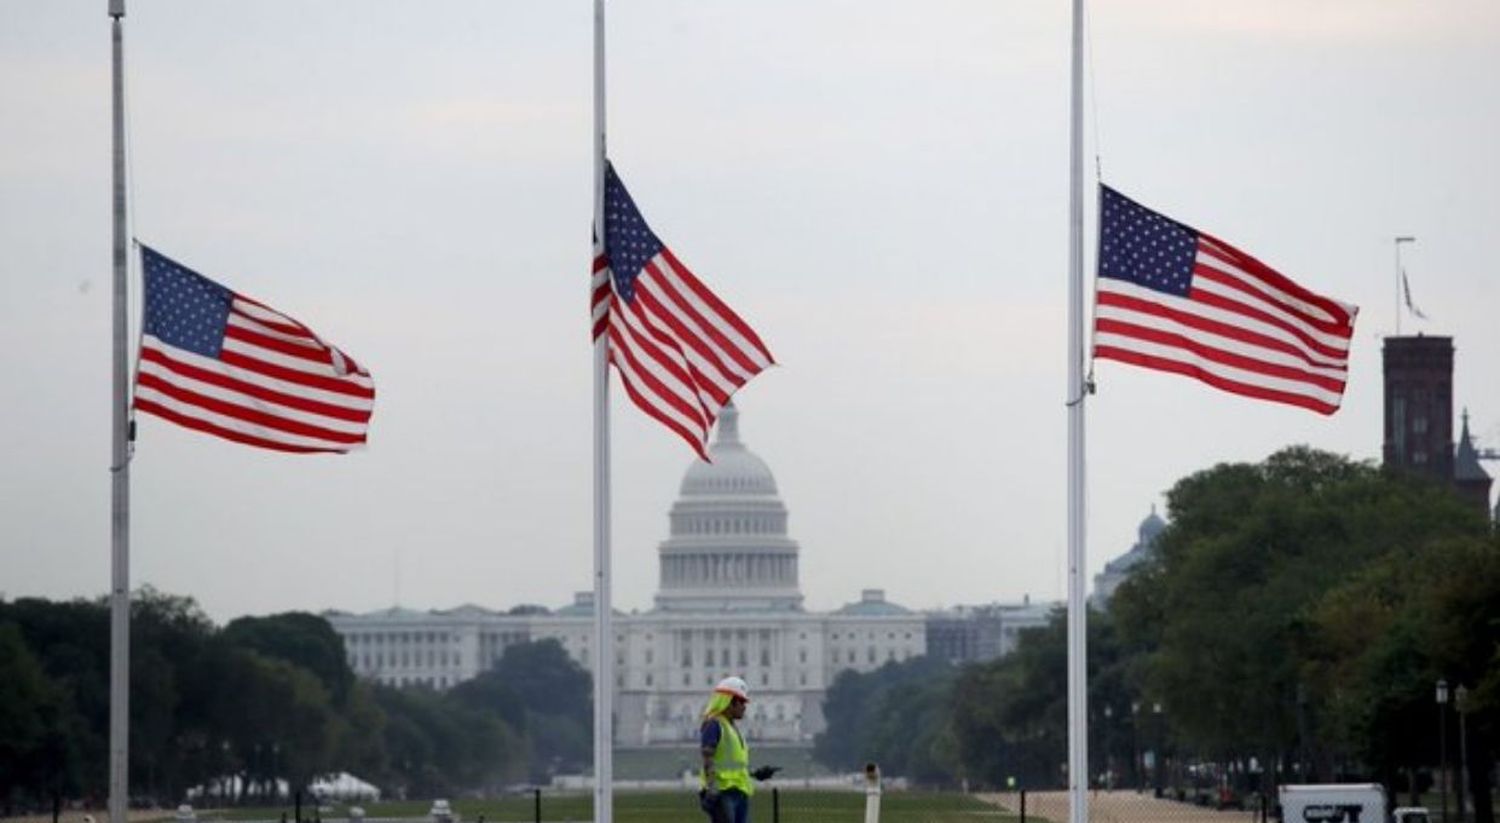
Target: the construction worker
(726, 787)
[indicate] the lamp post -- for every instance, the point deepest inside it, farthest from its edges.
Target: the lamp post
(1301, 732)
(224, 773)
(1160, 761)
(1461, 702)
(1109, 713)
(1442, 703)
(1135, 744)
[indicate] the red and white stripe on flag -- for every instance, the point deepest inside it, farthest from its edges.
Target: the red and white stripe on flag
(1230, 321)
(245, 372)
(681, 351)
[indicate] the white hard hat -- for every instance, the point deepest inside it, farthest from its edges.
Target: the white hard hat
(734, 687)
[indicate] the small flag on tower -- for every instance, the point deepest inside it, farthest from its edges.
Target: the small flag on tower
(1406, 291)
(680, 350)
(221, 363)
(1172, 298)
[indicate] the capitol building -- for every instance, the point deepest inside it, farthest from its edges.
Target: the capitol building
(728, 602)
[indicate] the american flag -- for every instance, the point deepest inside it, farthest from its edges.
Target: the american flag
(1172, 298)
(221, 363)
(681, 352)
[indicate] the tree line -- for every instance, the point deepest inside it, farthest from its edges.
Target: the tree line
(262, 699)
(1291, 626)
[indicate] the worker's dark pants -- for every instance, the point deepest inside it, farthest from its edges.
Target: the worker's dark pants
(733, 807)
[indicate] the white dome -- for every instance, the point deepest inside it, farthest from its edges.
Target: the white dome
(735, 471)
(728, 547)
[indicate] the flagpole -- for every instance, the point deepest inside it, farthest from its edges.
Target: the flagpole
(1400, 279)
(1078, 771)
(603, 612)
(119, 598)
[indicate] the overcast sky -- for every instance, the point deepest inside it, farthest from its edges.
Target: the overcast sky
(880, 188)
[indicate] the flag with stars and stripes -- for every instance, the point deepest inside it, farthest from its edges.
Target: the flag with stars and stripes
(1172, 298)
(221, 363)
(680, 351)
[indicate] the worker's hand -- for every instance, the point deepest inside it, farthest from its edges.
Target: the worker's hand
(765, 772)
(708, 799)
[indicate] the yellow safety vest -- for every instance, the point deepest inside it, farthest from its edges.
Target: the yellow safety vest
(731, 760)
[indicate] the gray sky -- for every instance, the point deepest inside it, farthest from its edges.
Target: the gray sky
(880, 188)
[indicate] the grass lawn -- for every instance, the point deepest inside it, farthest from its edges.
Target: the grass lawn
(797, 806)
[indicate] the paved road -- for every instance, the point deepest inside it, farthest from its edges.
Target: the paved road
(1118, 807)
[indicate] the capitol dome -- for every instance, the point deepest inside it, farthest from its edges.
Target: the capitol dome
(728, 549)
(734, 470)
(1150, 528)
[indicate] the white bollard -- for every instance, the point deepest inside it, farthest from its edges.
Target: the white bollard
(872, 793)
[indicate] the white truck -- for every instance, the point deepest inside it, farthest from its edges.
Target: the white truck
(1343, 803)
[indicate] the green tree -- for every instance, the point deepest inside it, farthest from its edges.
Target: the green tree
(437, 745)
(1224, 619)
(302, 639)
(71, 642)
(556, 694)
(1010, 716)
(25, 698)
(896, 715)
(1389, 633)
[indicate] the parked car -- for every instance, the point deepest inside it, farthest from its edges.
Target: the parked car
(441, 812)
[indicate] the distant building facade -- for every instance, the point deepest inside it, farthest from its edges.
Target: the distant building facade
(976, 634)
(1470, 479)
(728, 602)
(1117, 570)
(1419, 406)
(1419, 420)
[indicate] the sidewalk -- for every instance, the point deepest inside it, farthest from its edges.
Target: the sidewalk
(1118, 806)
